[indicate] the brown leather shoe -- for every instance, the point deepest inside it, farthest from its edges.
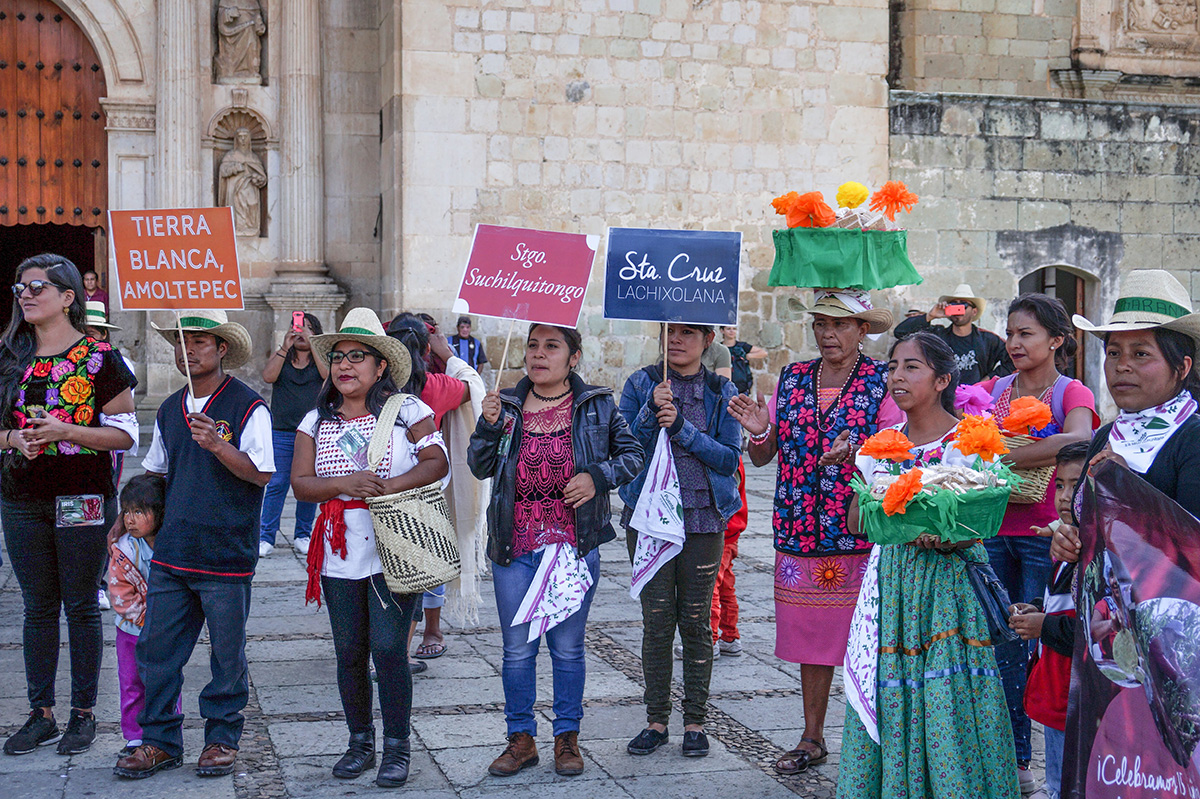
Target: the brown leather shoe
(145, 761)
(216, 761)
(520, 753)
(567, 760)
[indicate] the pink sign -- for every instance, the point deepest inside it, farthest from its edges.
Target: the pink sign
(528, 275)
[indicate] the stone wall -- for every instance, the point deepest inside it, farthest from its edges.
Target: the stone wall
(1011, 185)
(647, 113)
(1005, 47)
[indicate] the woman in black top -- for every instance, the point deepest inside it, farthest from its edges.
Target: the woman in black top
(65, 404)
(296, 378)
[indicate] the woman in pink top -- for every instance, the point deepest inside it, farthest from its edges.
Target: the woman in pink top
(1040, 341)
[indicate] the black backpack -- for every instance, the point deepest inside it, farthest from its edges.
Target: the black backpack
(743, 378)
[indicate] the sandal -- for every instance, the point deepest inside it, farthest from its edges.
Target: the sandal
(798, 760)
(429, 651)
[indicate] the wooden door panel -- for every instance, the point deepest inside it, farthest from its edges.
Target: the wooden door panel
(51, 123)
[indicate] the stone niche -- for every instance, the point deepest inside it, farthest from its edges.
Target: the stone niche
(238, 168)
(239, 42)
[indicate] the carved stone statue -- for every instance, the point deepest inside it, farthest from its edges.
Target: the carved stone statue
(239, 51)
(242, 178)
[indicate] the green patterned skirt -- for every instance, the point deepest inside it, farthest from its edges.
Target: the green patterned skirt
(943, 724)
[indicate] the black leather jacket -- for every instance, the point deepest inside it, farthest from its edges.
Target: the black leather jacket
(603, 446)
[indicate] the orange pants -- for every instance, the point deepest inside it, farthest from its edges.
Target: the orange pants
(724, 604)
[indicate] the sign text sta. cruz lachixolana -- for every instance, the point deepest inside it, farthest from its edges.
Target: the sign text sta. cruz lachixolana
(176, 259)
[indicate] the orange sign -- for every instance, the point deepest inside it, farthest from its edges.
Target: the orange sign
(176, 259)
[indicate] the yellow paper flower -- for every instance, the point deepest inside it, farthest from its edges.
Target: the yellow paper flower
(851, 194)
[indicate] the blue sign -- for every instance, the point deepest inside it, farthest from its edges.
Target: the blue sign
(672, 275)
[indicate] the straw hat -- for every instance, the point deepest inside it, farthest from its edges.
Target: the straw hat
(965, 292)
(848, 303)
(217, 324)
(96, 316)
(1149, 298)
(363, 326)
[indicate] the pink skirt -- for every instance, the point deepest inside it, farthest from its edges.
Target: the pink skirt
(814, 600)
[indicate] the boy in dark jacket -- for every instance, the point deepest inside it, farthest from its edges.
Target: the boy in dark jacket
(1053, 625)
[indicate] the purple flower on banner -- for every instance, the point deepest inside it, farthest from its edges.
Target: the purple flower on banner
(61, 370)
(94, 362)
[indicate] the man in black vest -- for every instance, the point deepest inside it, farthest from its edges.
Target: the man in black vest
(215, 450)
(466, 346)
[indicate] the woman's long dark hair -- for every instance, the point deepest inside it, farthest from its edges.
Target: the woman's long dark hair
(940, 358)
(1176, 346)
(409, 329)
(1052, 315)
(19, 342)
(314, 324)
(330, 399)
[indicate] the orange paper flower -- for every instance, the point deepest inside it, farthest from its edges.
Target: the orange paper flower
(1027, 414)
(979, 435)
(888, 445)
(901, 492)
(804, 210)
(893, 197)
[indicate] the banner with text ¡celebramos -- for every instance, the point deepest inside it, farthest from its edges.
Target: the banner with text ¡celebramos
(528, 275)
(1133, 719)
(672, 275)
(176, 259)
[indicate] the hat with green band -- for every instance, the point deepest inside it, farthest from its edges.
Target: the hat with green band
(96, 316)
(236, 337)
(1149, 298)
(363, 326)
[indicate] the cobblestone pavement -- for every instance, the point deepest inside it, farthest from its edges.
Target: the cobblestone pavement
(295, 731)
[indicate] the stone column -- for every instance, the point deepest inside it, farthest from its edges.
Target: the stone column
(302, 280)
(178, 108)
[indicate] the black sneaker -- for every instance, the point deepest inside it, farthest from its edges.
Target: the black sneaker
(38, 731)
(647, 741)
(695, 743)
(80, 732)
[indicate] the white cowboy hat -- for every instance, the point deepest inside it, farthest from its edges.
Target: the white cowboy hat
(848, 303)
(363, 326)
(216, 323)
(965, 292)
(1149, 298)
(96, 316)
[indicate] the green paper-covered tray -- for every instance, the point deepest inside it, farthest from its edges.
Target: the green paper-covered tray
(841, 258)
(953, 517)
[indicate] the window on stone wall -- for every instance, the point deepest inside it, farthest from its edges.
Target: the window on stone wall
(1070, 287)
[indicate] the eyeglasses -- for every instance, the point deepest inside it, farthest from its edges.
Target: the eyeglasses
(36, 287)
(353, 356)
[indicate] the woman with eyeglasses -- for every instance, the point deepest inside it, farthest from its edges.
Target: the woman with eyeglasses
(65, 404)
(330, 466)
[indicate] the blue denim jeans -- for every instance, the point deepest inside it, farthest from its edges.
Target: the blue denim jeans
(177, 606)
(283, 442)
(565, 642)
(1022, 563)
(1055, 741)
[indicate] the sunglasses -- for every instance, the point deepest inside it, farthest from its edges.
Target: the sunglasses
(36, 287)
(353, 356)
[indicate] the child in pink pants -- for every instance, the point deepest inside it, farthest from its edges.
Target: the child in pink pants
(130, 547)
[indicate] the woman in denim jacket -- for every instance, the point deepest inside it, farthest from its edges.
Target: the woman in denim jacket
(692, 405)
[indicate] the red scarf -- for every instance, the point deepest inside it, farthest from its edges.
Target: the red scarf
(332, 524)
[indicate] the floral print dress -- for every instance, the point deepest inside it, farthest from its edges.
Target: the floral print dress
(940, 713)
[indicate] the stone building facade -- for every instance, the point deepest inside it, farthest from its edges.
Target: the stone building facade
(388, 129)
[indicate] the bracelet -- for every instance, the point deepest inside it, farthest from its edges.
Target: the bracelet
(281, 354)
(762, 439)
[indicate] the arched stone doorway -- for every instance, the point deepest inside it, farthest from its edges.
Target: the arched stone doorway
(53, 145)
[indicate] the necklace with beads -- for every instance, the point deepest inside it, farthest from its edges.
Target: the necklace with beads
(822, 416)
(555, 398)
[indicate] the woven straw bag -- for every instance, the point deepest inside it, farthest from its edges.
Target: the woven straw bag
(1034, 482)
(413, 532)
